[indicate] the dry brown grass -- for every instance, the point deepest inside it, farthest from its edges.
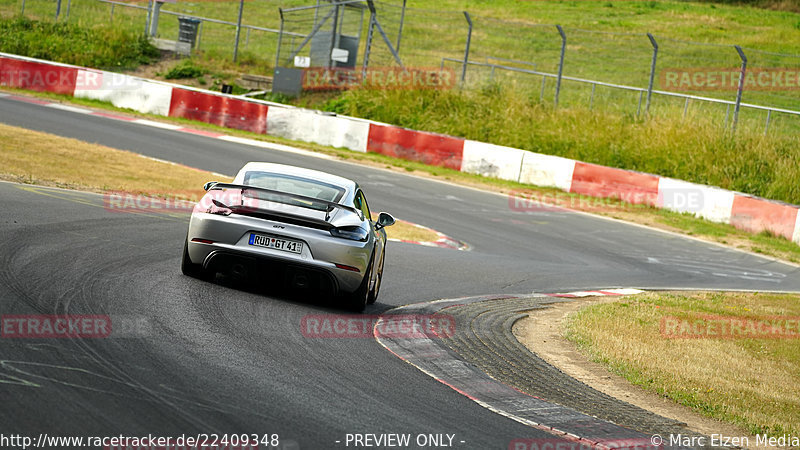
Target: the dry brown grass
(41, 158)
(407, 231)
(754, 383)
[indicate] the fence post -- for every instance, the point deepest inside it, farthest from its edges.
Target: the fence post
(238, 31)
(147, 18)
(280, 41)
(199, 34)
(58, 8)
(741, 86)
(652, 72)
(541, 94)
(400, 30)
(368, 46)
(334, 36)
(22, 13)
(154, 18)
(727, 116)
(561, 62)
(639, 108)
(766, 127)
(466, 50)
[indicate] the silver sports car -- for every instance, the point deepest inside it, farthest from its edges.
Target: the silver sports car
(302, 229)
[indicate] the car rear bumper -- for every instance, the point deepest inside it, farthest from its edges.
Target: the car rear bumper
(225, 244)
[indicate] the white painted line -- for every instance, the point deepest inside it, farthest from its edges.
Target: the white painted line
(273, 146)
(152, 123)
(709, 289)
(68, 108)
(623, 291)
(597, 293)
(4, 95)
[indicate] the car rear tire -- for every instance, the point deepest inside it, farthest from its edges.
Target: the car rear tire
(189, 268)
(359, 299)
(373, 295)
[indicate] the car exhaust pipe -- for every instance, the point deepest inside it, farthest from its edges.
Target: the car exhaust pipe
(239, 271)
(300, 281)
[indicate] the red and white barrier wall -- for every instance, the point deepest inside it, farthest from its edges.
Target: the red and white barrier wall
(148, 96)
(123, 91)
(318, 127)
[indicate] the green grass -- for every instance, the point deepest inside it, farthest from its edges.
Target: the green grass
(514, 29)
(101, 46)
(749, 382)
(692, 149)
(185, 69)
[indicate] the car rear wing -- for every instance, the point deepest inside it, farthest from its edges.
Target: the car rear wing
(329, 206)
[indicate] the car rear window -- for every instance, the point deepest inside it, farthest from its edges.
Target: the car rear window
(294, 185)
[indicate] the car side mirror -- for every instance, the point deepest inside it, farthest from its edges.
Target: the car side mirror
(384, 220)
(209, 185)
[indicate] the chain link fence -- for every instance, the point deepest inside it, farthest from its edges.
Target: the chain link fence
(634, 73)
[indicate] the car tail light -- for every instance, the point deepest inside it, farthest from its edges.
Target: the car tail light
(345, 267)
(352, 233)
(202, 241)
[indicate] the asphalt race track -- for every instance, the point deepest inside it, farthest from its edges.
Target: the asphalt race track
(221, 358)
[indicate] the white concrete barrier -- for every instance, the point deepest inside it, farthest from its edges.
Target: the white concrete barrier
(796, 236)
(547, 171)
(124, 91)
(708, 202)
(491, 160)
(320, 128)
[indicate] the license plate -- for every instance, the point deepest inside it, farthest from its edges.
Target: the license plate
(260, 240)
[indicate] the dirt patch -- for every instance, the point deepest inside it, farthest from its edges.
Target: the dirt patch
(542, 333)
(153, 71)
(156, 71)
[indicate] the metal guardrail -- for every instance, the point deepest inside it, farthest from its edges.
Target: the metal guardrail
(504, 64)
(201, 18)
(642, 91)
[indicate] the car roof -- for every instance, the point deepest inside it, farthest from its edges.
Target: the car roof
(349, 185)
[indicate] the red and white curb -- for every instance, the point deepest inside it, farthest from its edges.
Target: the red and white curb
(604, 292)
(434, 358)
